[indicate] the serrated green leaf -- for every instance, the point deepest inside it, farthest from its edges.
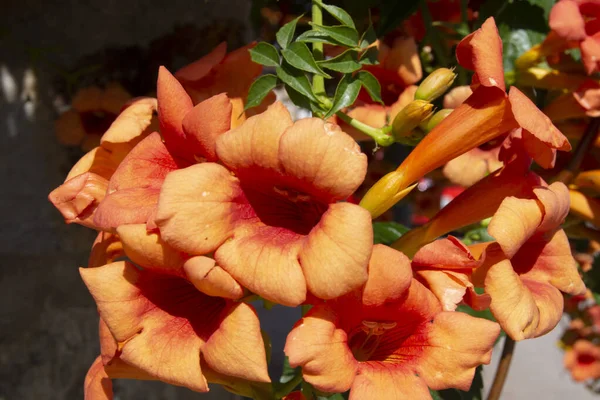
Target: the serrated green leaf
(346, 62)
(285, 35)
(345, 94)
(259, 89)
(368, 37)
(296, 79)
(298, 55)
(265, 54)
(337, 13)
(387, 232)
(371, 84)
(343, 34)
(369, 57)
(314, 36)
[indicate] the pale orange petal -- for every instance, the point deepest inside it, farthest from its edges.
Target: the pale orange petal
(337, 251)
(69, 128)
(555, 201)
(566, 20)
(456, 96)
(97, 384)
(387, 383)
(211, 279)
(200, 68)
(106, 248)
(127, 206)
(390, 276)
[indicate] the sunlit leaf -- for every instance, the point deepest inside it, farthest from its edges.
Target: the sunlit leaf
(298, 55)
(346, 62)
(314, 36)
(337, 13)
(343, 34)
(286, 33)
(345, 94)
(259, 89)
(371, 84)
(265, 54)
(388, 232)
(296, 79)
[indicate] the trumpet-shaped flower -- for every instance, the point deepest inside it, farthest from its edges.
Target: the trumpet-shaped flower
(167, 330)
(583, 361)
(189, 135)
(269, 211)
(389, 339)
(488, 113)
(530, 263)
(581, 103)
(85, 186)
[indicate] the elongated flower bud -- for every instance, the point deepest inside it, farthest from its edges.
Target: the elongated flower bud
(410, 117)
(435, 119)
(435, 85)
(384, 194)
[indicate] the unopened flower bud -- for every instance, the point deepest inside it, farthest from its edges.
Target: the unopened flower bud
(385, 193)
(410, 117)
(435, 119)
(435, 85)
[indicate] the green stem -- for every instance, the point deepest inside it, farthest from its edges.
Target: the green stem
(432, 36)
(288, 386)
(381, 135)
(317, 49)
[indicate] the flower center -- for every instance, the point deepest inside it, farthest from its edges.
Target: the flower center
(366, 338)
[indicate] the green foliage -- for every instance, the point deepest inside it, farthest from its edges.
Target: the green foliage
(342, 34)
(387, 232)
(288, 372)
(393, 12)
(286, 33)
(347, 62)
(337, 13)
(477, 235)
(298, 55)
(296, 80)
(369, 57)
(345, 94)
(259, 89)
(371, 85)
(265, 54)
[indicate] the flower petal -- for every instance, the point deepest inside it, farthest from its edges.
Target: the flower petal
(195, 215)
(566, 20)
(200, 68)
(211, 279)
(77, 199)
(236, 348)
(320, 348)
(336, 166)
(265, 260)
(106, 248)
(448, 253)
(514, 223)
(204, 123)
(555, 200)
(472, 166)
(390, 276)
(337, 251)
(149, 251)
(163, 320)
(98, 161)
(387, 383)
(173, 105)
(456, 96)
(127, 206)
(253, 147)
(97, 384)
(456, 344)
(69, 128)
(590, 53)
(481, 51)
(449, 287)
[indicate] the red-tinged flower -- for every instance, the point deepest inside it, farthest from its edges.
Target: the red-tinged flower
(530, 264)
(85, 186)
(93, 110)
(488, 113)
(583, 361)
(581, 103)
(445, 267)
(399, 66)
(294, 396)
(222, 72)
(575, 24)
(376, 115)
(166, 329)
(389, 339)
(189, 134)
(269, 211)
(476, 203)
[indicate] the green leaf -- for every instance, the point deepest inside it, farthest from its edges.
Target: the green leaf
(286, 33)
(259, 89)
(314, 36)
(368, 37)
(387, 232)
(346, 62)
(517, 42)
(477, 235)
(265, 54)
(369, 57)
(288, 372)
(343, 34)
(345, 94)
(299, 56)
(371, 84)
(337, 13)
(297, 98)
(545, 5)
(435, 395)
(296, 79)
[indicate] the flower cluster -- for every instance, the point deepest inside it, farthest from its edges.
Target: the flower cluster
(202, 206)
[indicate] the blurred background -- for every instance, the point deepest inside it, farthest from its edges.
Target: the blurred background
(49, 52)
